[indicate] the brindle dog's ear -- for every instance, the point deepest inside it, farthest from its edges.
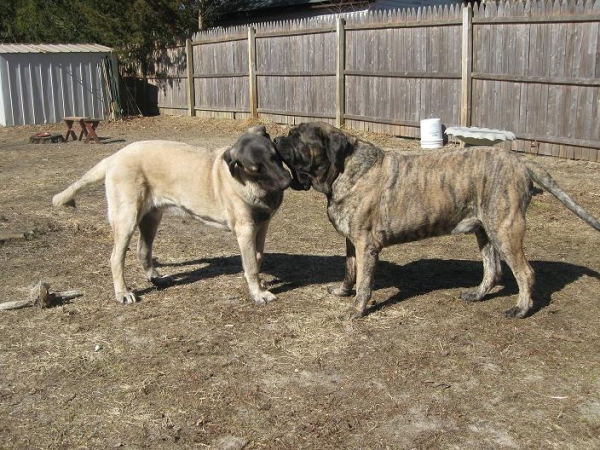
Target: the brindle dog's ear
(230, 160)
(337, 149)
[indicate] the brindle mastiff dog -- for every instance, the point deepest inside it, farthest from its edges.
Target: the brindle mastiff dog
(237, 189)
(376, 199)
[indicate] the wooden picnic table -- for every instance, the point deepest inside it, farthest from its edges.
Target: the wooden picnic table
(87, 128)
(90, 130)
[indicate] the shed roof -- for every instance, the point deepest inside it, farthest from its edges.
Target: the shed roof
(253, 5)
(54, 48)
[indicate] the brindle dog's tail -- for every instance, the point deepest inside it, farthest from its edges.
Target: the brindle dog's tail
(543, 178)
(95, 174)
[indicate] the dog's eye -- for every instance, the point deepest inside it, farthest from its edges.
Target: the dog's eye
(253, 169)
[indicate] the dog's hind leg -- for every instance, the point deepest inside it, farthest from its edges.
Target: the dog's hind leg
(510, 244)
(123, 229)
(123, 218)
(492, 268)
(525, 279)
(148, 227)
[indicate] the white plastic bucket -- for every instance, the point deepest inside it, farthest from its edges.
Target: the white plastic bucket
(431, 133)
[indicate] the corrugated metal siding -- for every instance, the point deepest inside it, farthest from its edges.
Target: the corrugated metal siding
(44, 87)
(54, 48)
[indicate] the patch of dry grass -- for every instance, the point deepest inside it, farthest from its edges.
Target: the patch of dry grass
(198, 365)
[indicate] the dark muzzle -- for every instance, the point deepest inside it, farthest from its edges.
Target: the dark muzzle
(300, 181)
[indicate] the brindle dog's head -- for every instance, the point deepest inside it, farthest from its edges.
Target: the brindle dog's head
(315, 154)
(254, 157)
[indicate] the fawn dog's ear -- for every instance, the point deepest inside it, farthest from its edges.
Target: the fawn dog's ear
(231, 161)
(260, 130)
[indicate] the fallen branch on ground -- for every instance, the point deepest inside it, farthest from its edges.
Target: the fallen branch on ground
(42, 297)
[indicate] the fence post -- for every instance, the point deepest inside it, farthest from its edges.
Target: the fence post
(467, 66)
(189, 55)
(339, 73)
(252, 73)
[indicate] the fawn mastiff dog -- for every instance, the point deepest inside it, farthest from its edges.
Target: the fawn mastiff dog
(376, 199)
(237, 188)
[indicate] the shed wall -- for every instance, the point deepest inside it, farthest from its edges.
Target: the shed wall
(40, 88)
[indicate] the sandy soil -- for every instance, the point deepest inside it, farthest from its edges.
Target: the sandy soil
(199, 365)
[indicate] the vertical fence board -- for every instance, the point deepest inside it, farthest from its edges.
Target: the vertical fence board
(340, 73)
(189, 60)
(467, 66)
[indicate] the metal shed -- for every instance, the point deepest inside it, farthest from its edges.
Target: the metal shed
(44, 83)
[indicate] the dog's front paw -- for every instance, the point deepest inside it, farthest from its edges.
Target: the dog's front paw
(126, 298)
(351, 314)
(263, 297)
(470, 296)
(339, 290)
(516, 313)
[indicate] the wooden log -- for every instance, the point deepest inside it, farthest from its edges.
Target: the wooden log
(41, 296)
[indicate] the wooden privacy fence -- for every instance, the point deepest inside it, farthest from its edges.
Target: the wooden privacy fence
(529, 67)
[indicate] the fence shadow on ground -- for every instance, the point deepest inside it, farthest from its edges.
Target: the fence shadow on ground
(413, 279)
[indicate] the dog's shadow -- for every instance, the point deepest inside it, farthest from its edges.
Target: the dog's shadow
(429, 275)
(413, 279)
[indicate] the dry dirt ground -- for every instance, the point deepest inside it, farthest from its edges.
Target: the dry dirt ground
(198, 365)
